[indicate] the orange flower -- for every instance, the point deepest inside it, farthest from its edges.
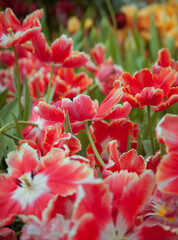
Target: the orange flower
(165, 20)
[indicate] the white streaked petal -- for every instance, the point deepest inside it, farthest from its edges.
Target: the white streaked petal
(27, 195)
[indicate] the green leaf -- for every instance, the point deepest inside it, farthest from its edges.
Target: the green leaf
(140, 148)
(3, 152)
(170, 46)
(140, 43)
(136, 115)
(3, 96)
(154, 39)
(93, 35)
(15, 81)
(147, 146)
(18, 129)
(129, 142)
(114, 49)
(95, 93)
(78, 40)
(82, 136)
(105, 29)
(162, 148)
(173, 109)
(99, 174)
(11, 136)
(44, 25)
(130, 64)
(9, 108)
(155, 118)
(7, 144)
(141, 60)
(65, 127)
(27, 103)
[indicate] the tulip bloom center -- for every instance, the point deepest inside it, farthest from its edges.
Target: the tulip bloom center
(26, 180)
(30, 188)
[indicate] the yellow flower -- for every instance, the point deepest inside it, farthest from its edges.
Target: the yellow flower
(88, 23)
(73, 24)
(130, 12)
(165, 20)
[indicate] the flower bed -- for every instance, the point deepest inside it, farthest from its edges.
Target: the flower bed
(88, 147)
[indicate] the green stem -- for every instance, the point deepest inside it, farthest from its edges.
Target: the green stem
(12, 123)
(49, 84)
(93, 144)
(3, 151)
(18, 233)
(150, 128)
(9, 128)
(111, 12)
(18, 81)
(11, 136)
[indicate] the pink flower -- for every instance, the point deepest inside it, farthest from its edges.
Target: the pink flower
(7, 234)
(38, 133)
(129, 161)
(38, 81)
(164, 60)
(162, 210)
(108, 109)
(106, 72)
(103, 133)
(77, 111)
(167, 173)
(101, 210)
(49, 132)
(153, 161)
(166, 131)
(147, 89)
(31, 182)
(54, 138)
(55, 223)
(130, 195)
(57, 228)
(6, 80)
(113, 214)
(7, 57)
(13, 32)
(60, 53)
(155, 231)
(92, 111)
(69, 84)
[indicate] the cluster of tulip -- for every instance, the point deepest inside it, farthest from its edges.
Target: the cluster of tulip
(74, 167)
